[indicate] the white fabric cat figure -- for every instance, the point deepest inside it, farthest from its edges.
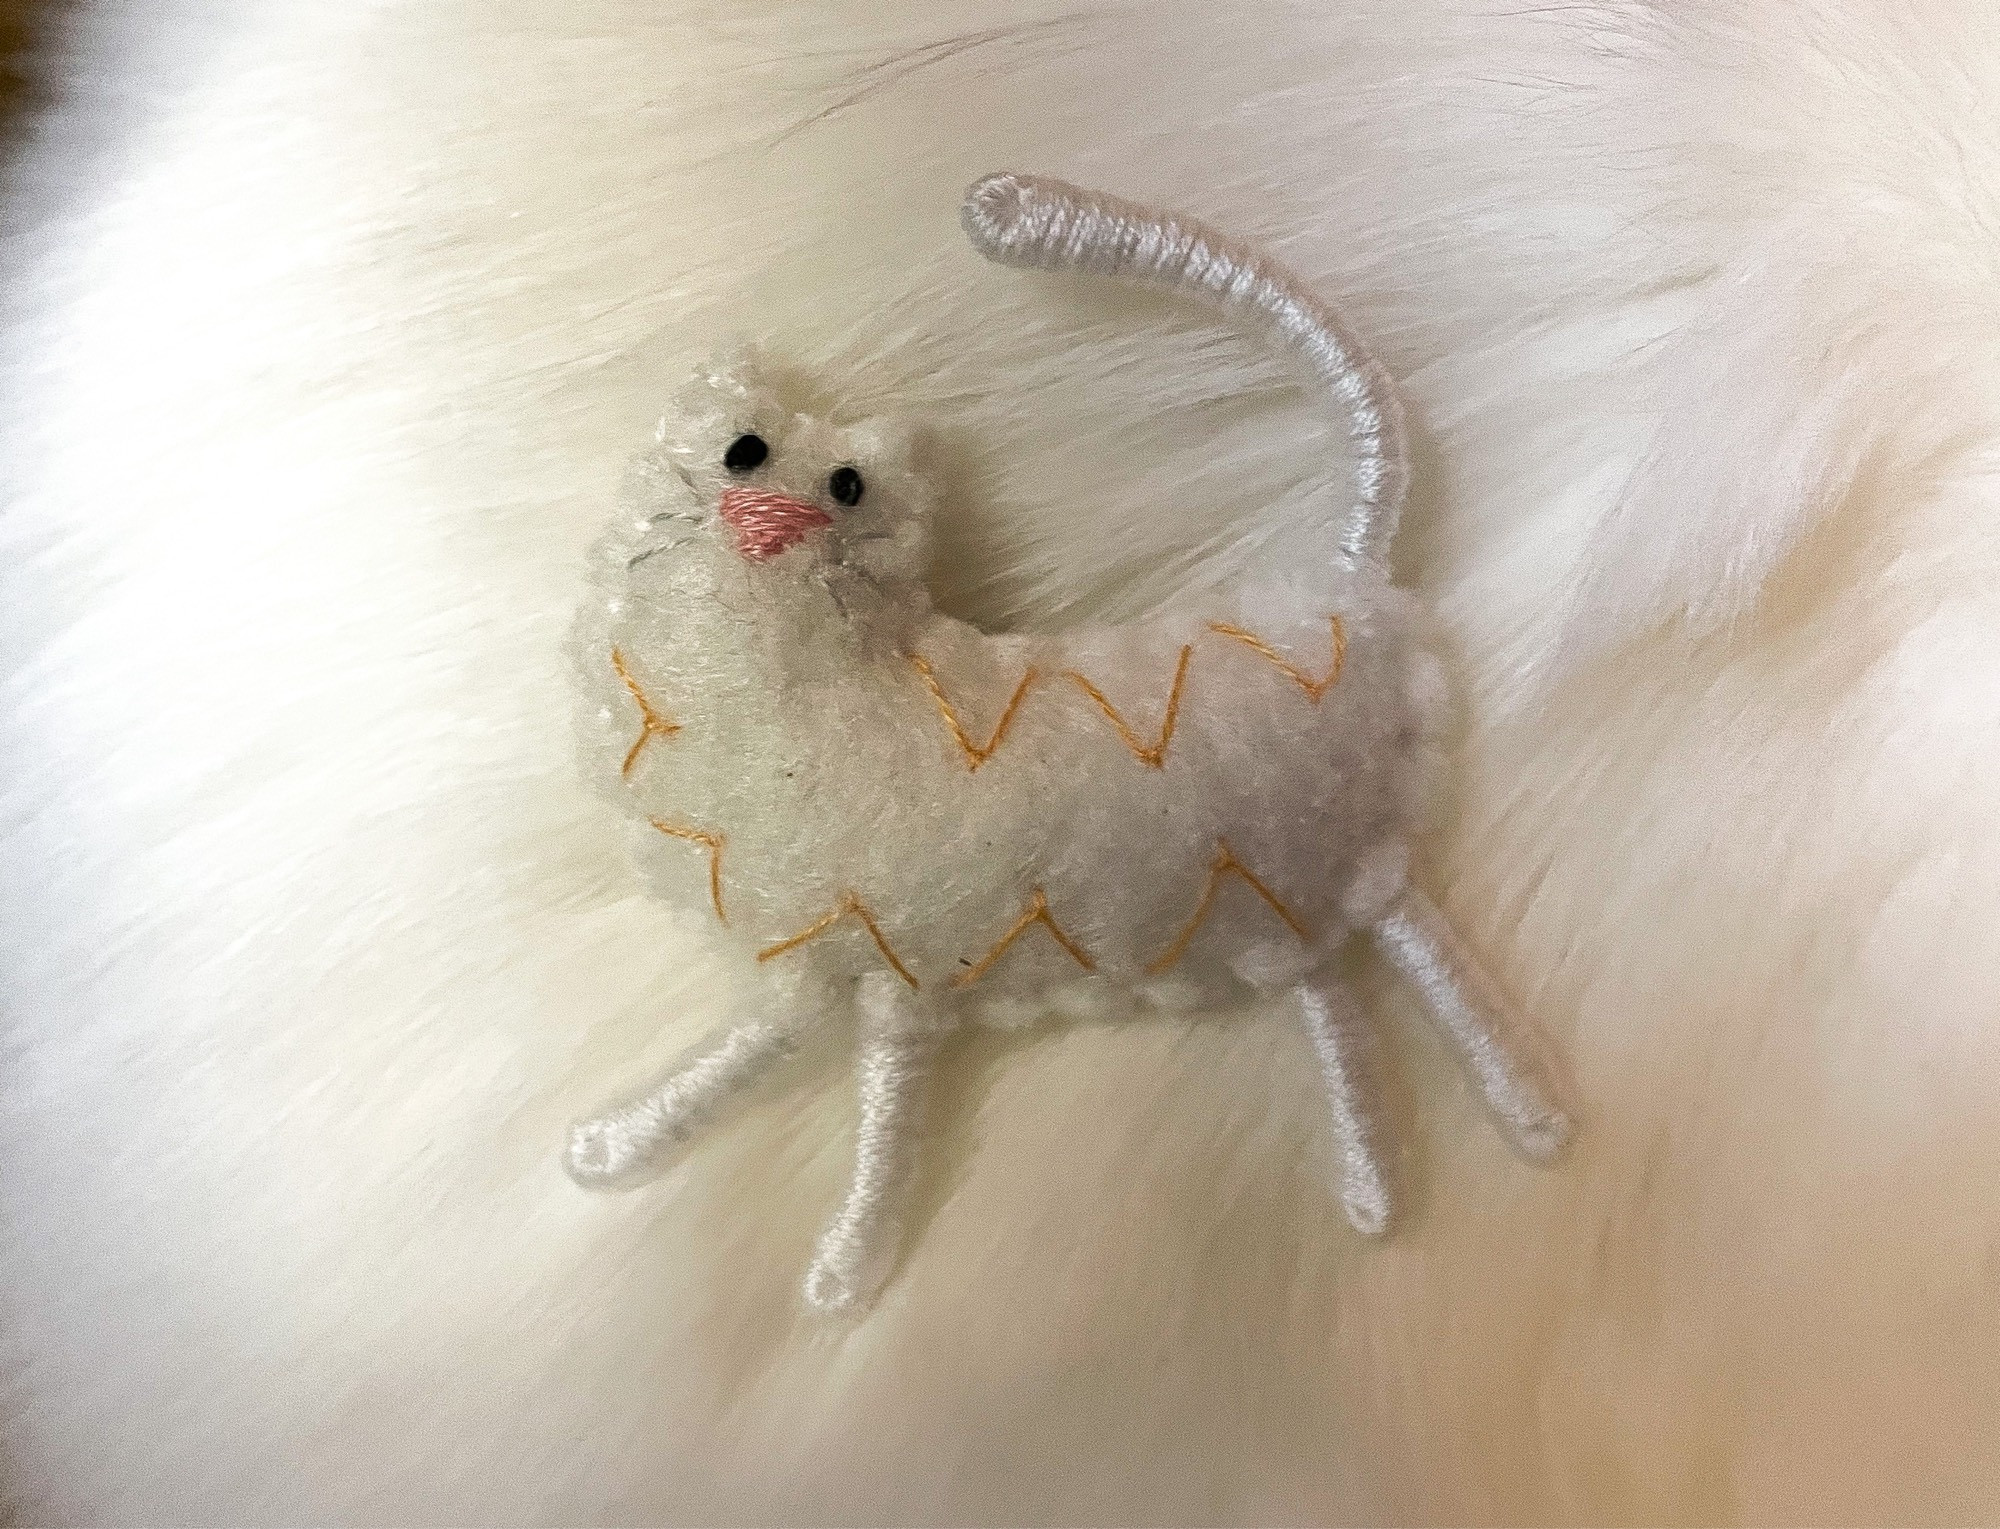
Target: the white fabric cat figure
(904, 818)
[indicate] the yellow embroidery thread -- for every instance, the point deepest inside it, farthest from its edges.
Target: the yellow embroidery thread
(1153, 755)
(1224, 864)
(1312, 687)
(1037, 912)
(654, 725)
(712, 842)
(975, 754)
(849, 902)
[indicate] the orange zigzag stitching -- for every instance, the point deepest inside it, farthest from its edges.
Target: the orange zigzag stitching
(850, 902)
(1312, 687)
(1037, 912)
(1153, 755)
(655, 725)
(1224, 864)
(713, 843)
(975, 754)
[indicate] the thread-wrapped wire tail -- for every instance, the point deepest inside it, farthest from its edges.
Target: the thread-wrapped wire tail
(1028, 220)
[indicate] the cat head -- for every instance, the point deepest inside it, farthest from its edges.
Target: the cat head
(795, 494)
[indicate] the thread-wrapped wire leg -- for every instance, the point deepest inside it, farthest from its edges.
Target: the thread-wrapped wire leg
(858, 1247)
(1337, 1028)
(1478, 1019)
(616, 1149)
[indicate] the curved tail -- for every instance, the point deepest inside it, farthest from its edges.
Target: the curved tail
(1029, 220)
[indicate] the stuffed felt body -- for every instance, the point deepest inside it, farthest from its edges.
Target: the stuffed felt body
(894, 813)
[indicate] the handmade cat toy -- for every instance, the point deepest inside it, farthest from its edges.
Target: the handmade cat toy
(902, 817)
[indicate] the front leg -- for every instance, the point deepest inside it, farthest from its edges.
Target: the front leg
(615, 1150)
(899, 1040)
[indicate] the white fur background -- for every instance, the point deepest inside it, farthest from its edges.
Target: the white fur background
(331, 327)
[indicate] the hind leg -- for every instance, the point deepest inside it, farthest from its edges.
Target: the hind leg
(1334, 1023)
(899, 1040)
(1477, 1018)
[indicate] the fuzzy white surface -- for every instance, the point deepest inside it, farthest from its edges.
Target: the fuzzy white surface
(327, 344)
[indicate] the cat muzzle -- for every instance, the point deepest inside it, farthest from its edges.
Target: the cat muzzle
(765, 523)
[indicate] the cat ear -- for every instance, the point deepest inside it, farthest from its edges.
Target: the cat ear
(727, 392)
(889, 442)
(735, 371)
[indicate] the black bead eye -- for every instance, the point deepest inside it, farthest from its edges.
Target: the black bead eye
(745, 453)
(846, 486)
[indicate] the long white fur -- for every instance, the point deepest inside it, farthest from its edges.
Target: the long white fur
(326, 326)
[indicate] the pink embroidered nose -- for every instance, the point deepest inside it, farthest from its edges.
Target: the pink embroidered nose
(766, 524)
